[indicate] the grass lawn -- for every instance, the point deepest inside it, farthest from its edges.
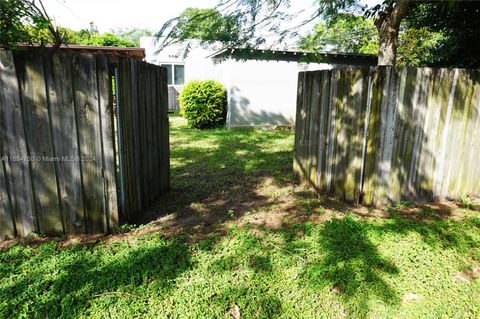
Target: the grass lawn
(235, 230)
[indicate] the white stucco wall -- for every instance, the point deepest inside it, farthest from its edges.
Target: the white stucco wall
(263, 93)
(260, 93)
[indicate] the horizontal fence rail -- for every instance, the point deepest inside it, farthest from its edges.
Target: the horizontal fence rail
(385, 134)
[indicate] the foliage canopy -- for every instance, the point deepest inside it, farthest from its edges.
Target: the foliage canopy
(357, 34)
(436, 33)
(458, 22)
(343, 33)
(207, 25)
(19, 18)
(26, 21)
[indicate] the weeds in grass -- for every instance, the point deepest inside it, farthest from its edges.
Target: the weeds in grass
(466, 202)
(231, 214)
(403, 204)
(313, 206)
(124, 228)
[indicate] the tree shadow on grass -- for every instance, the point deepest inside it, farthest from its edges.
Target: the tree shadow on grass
(436, 228)
(346, 262)
(67, 282)
(337, 256)
(439, 224)
(352, 266)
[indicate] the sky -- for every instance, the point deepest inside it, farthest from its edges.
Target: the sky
(150, 14)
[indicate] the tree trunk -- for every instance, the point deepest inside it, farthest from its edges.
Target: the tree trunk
(388, 25)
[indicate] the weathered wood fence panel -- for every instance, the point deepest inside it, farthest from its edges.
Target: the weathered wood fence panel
(13, 141)
(58, 171)
(385, 134)
(145, 156)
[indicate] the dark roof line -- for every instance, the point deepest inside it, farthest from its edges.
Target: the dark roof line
(291, 52)
(296, 56)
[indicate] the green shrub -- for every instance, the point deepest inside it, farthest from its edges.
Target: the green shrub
(204, 104)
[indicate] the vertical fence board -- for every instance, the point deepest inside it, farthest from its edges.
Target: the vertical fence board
(364, 100)
(64, 137)
(158, 122)
(125, 109)
(39, 143)
(165, 136)
(7, 230)
(340, 151)
(398, 130)
(297, 169)
(15, 147)
(108, 142)
(141, 128)
(372, 139)
(7, 97)
(152, 155)
(409, 129)
(322, 127)
(331, 131)
(417, 106)
(157, 118)
(150, 137)
(471, 174)
(89, 132)
(355, 123)
(312, 146)
(306, 127)
(146, 132)
(148, 158)
(137, 151)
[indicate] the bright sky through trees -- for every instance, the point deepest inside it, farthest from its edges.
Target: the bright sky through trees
(151, 14)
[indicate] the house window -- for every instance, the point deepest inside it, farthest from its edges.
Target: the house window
(169, 73)
(179, 74)
(175, 74)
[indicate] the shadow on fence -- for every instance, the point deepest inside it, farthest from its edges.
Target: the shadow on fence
(381, 135)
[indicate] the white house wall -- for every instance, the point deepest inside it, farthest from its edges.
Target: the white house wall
(263, 93)
(260, 93)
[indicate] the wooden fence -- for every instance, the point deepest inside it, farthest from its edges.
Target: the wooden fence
(57, 142)
(385, 134)
(145, 154)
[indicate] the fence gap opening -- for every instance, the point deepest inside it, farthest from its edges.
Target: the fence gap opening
(118, 144)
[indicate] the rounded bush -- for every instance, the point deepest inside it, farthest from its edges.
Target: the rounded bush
(204, 104)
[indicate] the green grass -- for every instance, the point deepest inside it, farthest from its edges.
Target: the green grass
(321, 261)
